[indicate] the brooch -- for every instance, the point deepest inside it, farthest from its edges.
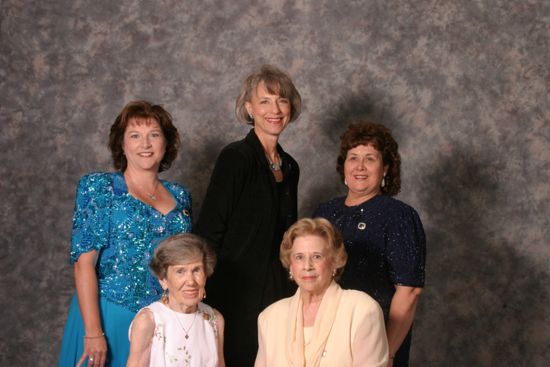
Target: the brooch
(361, 226)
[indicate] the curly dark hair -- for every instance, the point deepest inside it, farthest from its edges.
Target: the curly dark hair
(143, 110)
(276, 82)
(379, 136)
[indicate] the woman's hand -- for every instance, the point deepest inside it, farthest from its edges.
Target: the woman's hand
(95, 349)
(95, 344)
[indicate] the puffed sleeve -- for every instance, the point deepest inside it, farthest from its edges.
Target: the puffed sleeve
(91, 214)
(406, 247)
(370, 343)
(222, 195)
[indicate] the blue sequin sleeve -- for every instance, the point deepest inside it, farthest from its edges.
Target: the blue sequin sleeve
(406, 247)
(91, 214)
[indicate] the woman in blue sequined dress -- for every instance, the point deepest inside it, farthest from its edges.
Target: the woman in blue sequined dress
(119, 219)
(384, 237)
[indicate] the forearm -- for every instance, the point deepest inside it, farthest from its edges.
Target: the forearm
(87, 292)
(401, 316)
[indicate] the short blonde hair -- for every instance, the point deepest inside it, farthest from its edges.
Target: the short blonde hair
(316, 227)
(276, 82)
(181, 249)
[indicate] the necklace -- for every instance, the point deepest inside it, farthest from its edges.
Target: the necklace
(186, 331)
(275, 166)
(153, 195)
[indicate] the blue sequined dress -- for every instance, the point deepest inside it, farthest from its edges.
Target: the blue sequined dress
(386, 246)
(124, 231)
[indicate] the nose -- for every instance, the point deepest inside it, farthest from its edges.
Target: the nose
(361, 164)
(276, 108)
(146, 142)
(308, 264)
(190, 279)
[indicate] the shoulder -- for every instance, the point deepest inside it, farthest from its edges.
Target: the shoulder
(144, 319)
(359, 301)
(328, 207)
(275, 309)
(179, 191)
(397, 207)
(96, 180)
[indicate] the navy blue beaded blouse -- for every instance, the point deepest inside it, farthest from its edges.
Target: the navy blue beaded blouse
(385, 243)
(124, 231)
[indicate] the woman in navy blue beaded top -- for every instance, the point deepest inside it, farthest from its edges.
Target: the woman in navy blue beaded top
(384, 237)
(119, 219)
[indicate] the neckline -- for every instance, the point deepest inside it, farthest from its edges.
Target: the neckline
(162, 182)
(370, 201)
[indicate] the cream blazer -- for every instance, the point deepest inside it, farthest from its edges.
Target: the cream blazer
(357, 337)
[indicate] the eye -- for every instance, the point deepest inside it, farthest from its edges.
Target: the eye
(134, 136)
(317, 257)
(298, 257)
(197, 270)
(180, 271)
(156, 134)
(284, 100)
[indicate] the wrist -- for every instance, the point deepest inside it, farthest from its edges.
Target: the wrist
(94, 336)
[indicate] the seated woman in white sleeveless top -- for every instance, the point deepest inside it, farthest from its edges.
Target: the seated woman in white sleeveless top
(179, 330)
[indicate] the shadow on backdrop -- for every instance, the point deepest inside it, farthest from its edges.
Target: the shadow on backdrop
(483, 302)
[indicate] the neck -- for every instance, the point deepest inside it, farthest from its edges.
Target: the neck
(145, 179)
(311, 299)
(182, 308)
(269, 144)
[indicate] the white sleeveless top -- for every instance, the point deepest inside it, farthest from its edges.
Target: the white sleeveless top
(170, 348)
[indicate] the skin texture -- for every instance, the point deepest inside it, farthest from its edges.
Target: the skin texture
(363, 173)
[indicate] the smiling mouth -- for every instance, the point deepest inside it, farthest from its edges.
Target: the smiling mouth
(146, 155)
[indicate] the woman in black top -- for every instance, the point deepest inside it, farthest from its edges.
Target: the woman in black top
(383, 236)
(250, 202)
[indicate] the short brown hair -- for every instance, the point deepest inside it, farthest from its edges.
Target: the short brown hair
(181, 249)
(380, 137)
(143, 110)
(276, 82)
(316, 227)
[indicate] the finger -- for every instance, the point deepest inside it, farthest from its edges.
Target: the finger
(82, 359)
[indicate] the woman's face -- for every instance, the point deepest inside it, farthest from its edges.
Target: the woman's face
(311, 264)
(363, 172)
(185, 284)
(144, 144)
(271, 112)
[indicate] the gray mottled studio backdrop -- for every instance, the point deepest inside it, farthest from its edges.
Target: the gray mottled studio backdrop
(463, 84)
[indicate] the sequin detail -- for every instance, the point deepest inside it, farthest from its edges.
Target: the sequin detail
(124, 231)
(385, 243)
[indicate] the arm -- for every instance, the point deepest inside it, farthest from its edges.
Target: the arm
(142, 330)
(224, 191)
(95, 344)
(401, 316)
(369, 345)
(220, 324)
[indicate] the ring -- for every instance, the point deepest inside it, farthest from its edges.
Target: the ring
(91, 359)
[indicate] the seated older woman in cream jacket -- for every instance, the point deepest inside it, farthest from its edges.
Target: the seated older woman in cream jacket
(322, 324)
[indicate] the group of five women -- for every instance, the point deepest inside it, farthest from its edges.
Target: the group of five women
(140, 274)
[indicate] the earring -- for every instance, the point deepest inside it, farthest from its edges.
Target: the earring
(383, 182)
(203, 293)
(345, 182)
(164, 297)
(333, 273)
(290, 275)
(251, 116)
